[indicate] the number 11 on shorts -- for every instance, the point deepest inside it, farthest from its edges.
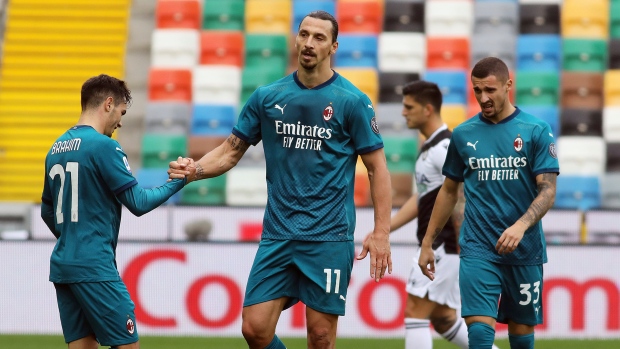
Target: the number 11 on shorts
(328, 281)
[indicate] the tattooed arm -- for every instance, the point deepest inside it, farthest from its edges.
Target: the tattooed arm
(212, 164)
(443, 208)
(512, 236)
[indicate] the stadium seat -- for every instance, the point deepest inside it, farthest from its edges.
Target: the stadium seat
(584, 54)
(448, 18)
(581, 155)
(453, 114)
(170, 85)
(158, 149)
(198, 146)
(494, 45)
(154, 177)
(167, 117)
(175, 48)
(400, 153)
(539, 18)
(611, 124)
(213, 120)
(614, 54)
(542, 52)
(217, 84)
(224, 15)
(613, 157)
(178, 14)
(614, 19)
(581, 122)
(452, 84)
(447, 53)
(366, 79)
(585, 19)
(612, 87)
(603, 227)
(356, 50)
(537, 88)
(391, 121)
(549, 113)
(582, 90)
(254, 157)
(401, 16)
(402, 52)
(610, 190)
(268, 16)
(501, 17)
(359, 17)
(303, 7)
(391, 86)
(402, 188)
(210, 191)
(246, 186)
(254, 77)
(267, 50)
(222, 47)
(577, 192)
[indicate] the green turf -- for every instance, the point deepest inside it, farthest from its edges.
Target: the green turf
(56, 342)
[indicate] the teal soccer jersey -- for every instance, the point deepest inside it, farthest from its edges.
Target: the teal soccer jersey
(84, 167)
(311, 138)
(499, 164)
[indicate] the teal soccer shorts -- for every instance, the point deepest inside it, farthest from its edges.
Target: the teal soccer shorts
(100, 308)
(315, 272)
(518, 288)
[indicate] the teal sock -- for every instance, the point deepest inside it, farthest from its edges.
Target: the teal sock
(521, 342)
(481, 336)
(276, 343)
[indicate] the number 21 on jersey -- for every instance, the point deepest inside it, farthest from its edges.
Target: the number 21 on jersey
(58, 170)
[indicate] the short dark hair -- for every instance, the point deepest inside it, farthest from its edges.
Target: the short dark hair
(96, 89)
(326, 16)
(491, 66)
(424, 92)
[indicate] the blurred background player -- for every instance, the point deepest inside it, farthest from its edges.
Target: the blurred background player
(436, 300)
(313, 125)
(87, 178)
(508, 163)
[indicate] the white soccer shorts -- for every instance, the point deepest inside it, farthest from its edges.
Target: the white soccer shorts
(445, 288)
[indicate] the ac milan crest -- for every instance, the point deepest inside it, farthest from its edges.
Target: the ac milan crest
(328, 112)
(518, 143)
(130, 326)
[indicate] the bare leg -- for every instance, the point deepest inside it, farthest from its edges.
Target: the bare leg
(259, 322)
(321, 329)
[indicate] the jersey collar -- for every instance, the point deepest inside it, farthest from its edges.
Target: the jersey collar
(507, 119)
(443, 127)
(317, 87)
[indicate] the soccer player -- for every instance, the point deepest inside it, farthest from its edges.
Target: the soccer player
(87, 178)
(313, 125)
(508, 163)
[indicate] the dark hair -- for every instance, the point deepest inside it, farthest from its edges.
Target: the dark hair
(424, 92)
(326, 16)
(96, 89)
(491, 66)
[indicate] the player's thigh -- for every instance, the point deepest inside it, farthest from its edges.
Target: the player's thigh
(522, 295)
(325, 268)
(261, 319)
(480, 283)
(444, 289)
(273, 274)
(109, 310)
(73, 320)
(321, 324)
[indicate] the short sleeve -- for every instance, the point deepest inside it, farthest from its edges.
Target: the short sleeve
(453, 167)
(248, 125)
(364, 128)
(114, 167)
(545, 153)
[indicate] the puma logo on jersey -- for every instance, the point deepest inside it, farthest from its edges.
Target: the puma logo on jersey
(473, 145)
(370, 106)
(280, 108)
(550, 134)
(342, 297)
(119, 149)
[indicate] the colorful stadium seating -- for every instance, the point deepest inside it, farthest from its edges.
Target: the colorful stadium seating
(222, 47)
(224, 15)
(179, 14)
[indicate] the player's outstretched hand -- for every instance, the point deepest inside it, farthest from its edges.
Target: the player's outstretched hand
(511, 238)
(378, 244)
(426, 262)
(182, 168)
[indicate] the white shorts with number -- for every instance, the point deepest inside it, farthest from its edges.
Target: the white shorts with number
(445, 288)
